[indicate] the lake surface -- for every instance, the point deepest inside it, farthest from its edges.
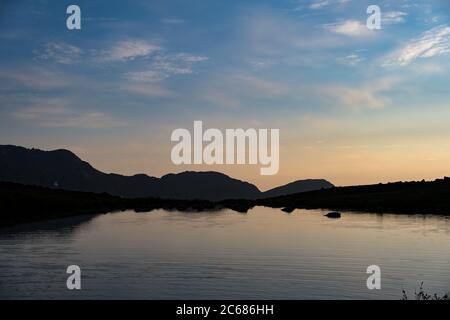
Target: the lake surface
(264, 254)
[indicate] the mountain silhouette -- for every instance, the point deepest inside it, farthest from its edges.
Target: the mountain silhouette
(62, 169)
(297, 187)
(206, 185)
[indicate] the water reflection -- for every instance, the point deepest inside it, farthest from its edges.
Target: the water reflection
(58, 228)
(263, 254)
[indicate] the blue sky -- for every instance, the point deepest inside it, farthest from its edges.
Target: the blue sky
(114, 90)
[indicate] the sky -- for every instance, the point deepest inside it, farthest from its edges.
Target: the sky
(353, 105)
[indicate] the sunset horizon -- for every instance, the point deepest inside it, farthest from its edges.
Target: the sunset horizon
(114, 98)
(262, 182)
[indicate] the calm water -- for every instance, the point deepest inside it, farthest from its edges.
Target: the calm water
(265, 254)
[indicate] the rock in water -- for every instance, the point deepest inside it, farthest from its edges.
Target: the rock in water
(333, 215)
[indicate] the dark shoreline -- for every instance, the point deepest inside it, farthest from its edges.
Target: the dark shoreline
(24, 203)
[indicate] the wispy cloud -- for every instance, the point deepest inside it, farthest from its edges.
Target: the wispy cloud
(147, 90)
(146, 76)
(267, 37)
(352, 59)
(362, 97)
(350, 28)
(164, 66)
(260, 64)
(320, 4)
(35, 78)
(176, 64)
(393, 17)
(59, 52)
(189, 58)
(432, 43)
(317, 4)
(128, 50)
(55, 113)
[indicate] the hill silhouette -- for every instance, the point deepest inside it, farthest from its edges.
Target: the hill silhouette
(297, 187)
(62, 169)
(24, 203)
(413, 197)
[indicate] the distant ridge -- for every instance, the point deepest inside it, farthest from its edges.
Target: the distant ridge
(297, 187)
(62, 169)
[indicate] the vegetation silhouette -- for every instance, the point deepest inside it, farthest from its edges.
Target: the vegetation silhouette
(423, 296)
(24, 203)
(416, 197)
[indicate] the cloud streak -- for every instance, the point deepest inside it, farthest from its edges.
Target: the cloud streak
(432, 43)
(129, 50)
(352, 59)
(350, 28)
(35, 78)
(147, 90)
(368, 96)
(55, 113)
(62, 53)
(393, 17)
(165, 66)
(320, 4)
